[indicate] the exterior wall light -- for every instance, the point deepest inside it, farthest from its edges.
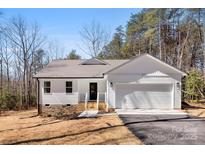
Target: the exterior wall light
(111, 84)
(178, 85)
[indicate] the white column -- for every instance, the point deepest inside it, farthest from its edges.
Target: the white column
(107, 96)
(86, 101)
(98, 97)
(107, 105)
(78, 91)
(173, 96)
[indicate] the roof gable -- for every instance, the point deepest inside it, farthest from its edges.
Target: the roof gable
(145, 63)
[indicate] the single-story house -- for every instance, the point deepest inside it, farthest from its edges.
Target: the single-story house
(143, 82)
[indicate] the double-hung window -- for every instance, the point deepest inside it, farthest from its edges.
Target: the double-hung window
(69, 87)
(47, 87)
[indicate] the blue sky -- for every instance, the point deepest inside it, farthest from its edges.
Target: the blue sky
(63, 25)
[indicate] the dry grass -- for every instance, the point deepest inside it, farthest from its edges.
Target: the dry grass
(27, 128)
(195, 109)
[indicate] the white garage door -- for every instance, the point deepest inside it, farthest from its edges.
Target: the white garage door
(144, 96)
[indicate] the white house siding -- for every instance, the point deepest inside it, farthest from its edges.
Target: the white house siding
(58, 91)
(84, 87)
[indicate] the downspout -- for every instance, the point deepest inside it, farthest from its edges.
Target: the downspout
(39, 106)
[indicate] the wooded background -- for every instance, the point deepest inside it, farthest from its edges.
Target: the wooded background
(176, 36)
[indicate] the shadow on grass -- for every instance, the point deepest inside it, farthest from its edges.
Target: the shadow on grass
(43, 124)
(94, 130)
(186, 105)
(36, 115)
(113, 141)
(201, 113)
(38, 125)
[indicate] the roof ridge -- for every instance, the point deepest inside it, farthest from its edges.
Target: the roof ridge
(88, 59)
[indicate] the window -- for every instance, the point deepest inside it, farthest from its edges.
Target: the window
(69, 87)
(47, 87)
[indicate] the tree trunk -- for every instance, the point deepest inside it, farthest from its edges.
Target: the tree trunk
(1, 79)
(8, 77)
(159, 35)
(24, 98)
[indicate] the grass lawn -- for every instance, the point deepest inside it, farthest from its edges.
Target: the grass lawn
(25, 127)
(195, 109)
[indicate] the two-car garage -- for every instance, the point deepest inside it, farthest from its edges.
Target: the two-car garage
(144, 96)
(144, 82)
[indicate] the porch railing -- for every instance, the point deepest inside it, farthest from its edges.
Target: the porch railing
(82, 96)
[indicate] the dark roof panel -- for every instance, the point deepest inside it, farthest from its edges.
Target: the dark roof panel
(93, 61)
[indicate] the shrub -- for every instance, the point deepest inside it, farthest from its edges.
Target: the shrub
(33, 101)
(194, 85)
(2, 104)
(9, 102)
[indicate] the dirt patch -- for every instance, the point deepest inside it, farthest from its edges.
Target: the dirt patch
(28, 128)
(194, 109)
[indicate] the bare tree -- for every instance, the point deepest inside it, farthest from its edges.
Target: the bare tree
(25, 39)
(94, 38)
(54, 50)
(1, 65)
(6, 58)
(1, 61)
(183, 46)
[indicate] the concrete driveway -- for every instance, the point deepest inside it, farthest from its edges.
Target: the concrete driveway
(149, 112)
(166, 128)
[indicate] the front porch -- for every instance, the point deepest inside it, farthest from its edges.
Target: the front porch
(100, 103)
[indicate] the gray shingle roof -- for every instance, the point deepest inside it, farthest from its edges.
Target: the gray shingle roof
(73, 68)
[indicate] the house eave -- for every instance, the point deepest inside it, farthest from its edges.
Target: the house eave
(69, 77)
(145, 54)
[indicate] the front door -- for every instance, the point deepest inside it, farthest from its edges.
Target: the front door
(93, 91)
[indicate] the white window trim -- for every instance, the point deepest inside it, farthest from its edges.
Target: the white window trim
(46, 87)
(69, 87)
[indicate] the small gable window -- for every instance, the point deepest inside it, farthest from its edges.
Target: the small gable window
(47, 87)
(69, 87)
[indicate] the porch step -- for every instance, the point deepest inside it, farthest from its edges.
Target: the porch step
(95, 102)
(88, 114)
